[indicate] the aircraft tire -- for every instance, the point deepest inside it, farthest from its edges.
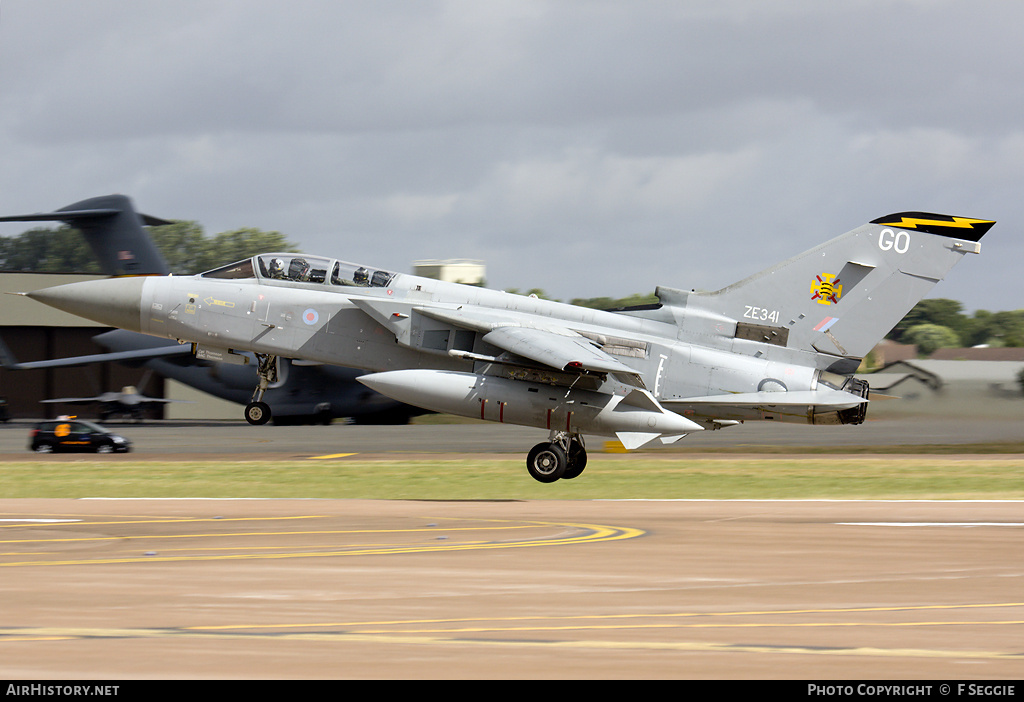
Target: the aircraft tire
(257, 413)
(546, 462)
(577, 460)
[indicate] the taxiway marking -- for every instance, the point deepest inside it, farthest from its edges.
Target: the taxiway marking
(356, 632)
(608, 617)
(590, 533)
(933, 524)
(214, 535)
(182, 520)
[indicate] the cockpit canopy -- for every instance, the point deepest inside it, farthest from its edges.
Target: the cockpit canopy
(301, 268)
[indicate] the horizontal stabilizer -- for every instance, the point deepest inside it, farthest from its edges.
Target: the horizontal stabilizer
(834, 399)
(72, 217)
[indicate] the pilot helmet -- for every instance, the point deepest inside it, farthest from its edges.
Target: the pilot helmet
(299, 269)
(276, 268)
(361, 276)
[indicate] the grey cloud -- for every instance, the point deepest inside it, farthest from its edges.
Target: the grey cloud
(587, 148)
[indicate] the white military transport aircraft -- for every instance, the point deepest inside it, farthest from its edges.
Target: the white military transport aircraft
(781, 345)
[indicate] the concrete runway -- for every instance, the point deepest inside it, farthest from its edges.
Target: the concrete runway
(154, 439)
(193, 589)
(122, 589)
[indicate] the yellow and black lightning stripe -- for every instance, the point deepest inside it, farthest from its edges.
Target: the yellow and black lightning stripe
(943, 225)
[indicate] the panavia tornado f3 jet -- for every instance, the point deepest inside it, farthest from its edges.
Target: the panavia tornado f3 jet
(781, 345)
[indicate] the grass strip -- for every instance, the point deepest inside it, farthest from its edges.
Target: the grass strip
(489, 478)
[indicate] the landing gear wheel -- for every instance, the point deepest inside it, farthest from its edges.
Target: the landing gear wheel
(547, 462)
(577, 460)
(257, 413)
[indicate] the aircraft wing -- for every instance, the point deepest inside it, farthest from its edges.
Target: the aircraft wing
(113, 397)
(126, 400)
(143, 400)
(569, 351)
(139, 354)
(556, 347)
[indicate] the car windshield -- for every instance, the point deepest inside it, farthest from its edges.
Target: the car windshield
(77, 426)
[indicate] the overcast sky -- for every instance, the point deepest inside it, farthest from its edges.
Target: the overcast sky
(583, 147)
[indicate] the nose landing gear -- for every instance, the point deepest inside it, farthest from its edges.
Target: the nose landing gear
(258, 411)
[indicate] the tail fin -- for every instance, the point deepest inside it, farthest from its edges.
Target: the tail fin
(843, 297)
(113, 230)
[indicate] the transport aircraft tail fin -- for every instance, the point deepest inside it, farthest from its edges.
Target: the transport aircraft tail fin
(113, 229)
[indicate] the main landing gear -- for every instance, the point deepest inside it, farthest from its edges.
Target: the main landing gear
(564, 457)
(258, 411)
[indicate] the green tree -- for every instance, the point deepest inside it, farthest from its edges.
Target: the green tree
(930, 337)
(936, 311)
(183, 244)
(45, 250)
(997, 328)
(243, 243)
(188, 250)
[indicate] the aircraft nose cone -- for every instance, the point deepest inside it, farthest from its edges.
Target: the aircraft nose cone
(112, 301)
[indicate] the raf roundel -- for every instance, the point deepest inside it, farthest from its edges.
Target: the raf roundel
(310, 316)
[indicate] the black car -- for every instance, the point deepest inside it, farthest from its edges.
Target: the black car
(75, 435)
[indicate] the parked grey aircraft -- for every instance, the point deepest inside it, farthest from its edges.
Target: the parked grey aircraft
(302, 393)
(781, 345)
(129, 402)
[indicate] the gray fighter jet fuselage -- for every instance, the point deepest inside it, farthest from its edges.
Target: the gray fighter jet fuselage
(781, 345)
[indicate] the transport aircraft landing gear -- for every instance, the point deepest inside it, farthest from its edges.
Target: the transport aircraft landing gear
(258, 411)
(564, 457)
